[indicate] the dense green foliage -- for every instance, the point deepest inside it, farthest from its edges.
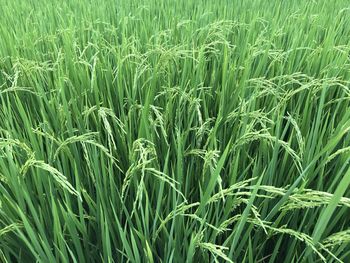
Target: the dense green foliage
(174, 131)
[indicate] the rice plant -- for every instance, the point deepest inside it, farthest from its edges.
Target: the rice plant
(174, 131)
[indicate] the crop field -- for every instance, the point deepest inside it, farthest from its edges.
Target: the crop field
(174, 131)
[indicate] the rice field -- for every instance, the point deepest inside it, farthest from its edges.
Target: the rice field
(174, 131)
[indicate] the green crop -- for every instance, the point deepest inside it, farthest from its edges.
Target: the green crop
(174, 131)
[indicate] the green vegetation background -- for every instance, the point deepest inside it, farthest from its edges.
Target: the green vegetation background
(174, 131)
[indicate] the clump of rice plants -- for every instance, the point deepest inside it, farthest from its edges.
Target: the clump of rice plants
(174, 131)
